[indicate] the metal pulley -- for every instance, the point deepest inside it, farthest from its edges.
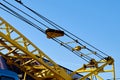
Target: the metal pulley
(78, 48)
(52, 33)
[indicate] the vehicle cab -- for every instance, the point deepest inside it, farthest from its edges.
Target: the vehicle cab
(8, 75)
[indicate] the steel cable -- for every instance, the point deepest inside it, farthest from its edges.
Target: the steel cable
(37, 27)
(59, 27)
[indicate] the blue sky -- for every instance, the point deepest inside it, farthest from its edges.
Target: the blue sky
(95, 21)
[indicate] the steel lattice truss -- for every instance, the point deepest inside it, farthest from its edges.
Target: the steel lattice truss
(21, 52)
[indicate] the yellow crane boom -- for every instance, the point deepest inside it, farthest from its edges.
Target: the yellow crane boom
(21, 52)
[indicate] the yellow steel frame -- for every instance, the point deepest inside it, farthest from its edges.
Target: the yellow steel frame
(95, 69)
(15, 47)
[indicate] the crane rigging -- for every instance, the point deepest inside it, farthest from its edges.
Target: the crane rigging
(53, 24)
(59, 27)
(70, 35)
(93, 67)
(40, 29)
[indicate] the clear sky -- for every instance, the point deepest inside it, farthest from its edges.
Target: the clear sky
(95, 21)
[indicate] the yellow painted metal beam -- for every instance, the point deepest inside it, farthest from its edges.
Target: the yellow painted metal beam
(14, 44)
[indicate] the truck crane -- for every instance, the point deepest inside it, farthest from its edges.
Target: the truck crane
(16, 49)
